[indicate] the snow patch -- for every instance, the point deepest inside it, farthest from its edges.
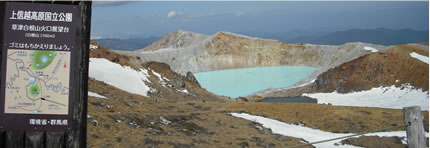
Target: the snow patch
(93, 46)
(312, 81)
(122, 77)
(384, 97)
(161, 78)
(422, 58)
(185, 91)
(370, 49)
(309, 134)
(92, 94)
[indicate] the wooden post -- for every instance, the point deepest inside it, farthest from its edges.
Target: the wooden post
(34, 139)
(77, 138)
(14, 139)
(415, 131)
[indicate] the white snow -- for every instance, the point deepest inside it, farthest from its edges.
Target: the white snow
(93, 46)
(122, 77)
(185, 91)
(161, 78)
(370, 49)
(157, 74)
(309, 134)
(384, 97)
(422, 58)
(312, 81)
(92, 94)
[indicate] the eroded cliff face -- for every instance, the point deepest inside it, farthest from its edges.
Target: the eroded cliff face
(227, 51)
(178, 39)
(394, 66)
(223, 50)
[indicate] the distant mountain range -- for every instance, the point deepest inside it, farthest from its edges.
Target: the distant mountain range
(126, 44)
(380, 36)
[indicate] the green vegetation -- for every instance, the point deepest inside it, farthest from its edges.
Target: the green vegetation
(34, 90)
(189, 128)
(42, 58)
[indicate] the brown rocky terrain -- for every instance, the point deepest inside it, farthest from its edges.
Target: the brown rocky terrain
(169, 118)
(393, 66)
(224, 50)
(177, 82)
(328, 118)
(179, 39)
(128, 120)
(373, 141)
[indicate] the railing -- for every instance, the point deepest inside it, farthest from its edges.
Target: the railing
(413, 120)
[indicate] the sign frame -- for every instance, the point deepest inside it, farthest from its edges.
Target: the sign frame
(49, 137)
(36, 121)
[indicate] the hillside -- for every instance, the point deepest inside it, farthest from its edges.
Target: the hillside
(394, 66)
(171, 110)
(391, 67)
(224, 50)
(158, 79)
(176, 40)
(391, 78)
(165, 116)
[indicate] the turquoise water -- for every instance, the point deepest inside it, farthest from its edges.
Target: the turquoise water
(246, 81)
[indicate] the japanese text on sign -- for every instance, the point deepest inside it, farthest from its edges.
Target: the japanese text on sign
(41, 16)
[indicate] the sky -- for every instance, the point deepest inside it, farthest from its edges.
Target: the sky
(145, 19)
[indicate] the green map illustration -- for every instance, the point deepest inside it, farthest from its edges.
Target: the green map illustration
(37, 82)
(42, 59)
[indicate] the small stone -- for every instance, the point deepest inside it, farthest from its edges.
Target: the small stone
(164, 120)
(95, 122)
(118, 139)
(109, 106)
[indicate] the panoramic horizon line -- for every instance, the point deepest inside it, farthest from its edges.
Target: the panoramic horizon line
(241, 33)
(122, 2)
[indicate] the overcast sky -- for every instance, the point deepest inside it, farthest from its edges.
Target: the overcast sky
(143, 19)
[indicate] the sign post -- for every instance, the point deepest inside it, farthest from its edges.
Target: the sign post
(44, 73)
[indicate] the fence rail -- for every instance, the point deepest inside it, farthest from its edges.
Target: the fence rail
(413, 120)
(359, 134)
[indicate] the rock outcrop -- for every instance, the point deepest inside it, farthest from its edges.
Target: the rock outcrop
(190, 77)
(393, 66)
(199, 53)
(162, 80)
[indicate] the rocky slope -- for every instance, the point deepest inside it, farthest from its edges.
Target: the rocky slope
(393, 66)
(223, 50)
(162, 81)
(167, 117)
(179, 39)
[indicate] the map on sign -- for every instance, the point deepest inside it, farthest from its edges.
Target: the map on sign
(37, 82)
